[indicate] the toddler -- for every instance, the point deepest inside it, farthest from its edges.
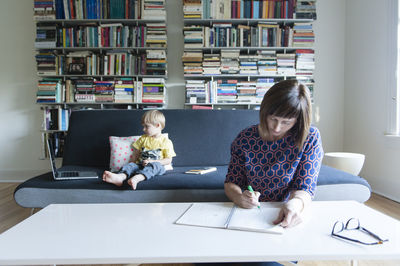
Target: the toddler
(152, 152)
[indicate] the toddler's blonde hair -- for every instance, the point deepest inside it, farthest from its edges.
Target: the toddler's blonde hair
(154, 117)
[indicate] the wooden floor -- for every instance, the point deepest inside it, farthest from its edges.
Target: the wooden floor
(11, 214)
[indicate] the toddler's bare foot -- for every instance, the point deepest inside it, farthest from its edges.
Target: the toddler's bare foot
(113, 178)
(135, 180)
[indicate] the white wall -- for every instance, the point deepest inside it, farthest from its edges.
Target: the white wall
(367, 77)
(20, 117)
(329, 72)
(175, 83)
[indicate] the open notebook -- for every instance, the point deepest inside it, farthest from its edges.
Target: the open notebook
(226, 215)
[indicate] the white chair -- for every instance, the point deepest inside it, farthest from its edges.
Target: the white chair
(345, 161)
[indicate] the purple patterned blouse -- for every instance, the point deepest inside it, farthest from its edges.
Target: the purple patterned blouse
(274, 168)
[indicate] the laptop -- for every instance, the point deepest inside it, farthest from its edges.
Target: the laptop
(67, 175)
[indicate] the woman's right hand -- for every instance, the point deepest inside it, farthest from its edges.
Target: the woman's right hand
(245, 199)
(248, 199)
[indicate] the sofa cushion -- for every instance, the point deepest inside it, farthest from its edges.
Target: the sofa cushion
(332, 176)
(177, 179)
(174, 186)
(174, 179)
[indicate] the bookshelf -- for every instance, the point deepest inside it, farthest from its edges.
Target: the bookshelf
(98, 54)
(234, 53)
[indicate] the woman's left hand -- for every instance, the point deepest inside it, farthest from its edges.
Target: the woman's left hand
(288, 217)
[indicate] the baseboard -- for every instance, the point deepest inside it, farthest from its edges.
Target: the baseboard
(390, 197)
(18, 176)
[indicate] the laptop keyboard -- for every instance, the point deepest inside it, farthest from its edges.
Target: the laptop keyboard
(69, 174)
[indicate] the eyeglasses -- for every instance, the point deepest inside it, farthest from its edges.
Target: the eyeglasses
(354, 224)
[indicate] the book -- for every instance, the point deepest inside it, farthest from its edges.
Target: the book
(201, 171)
(226, 215)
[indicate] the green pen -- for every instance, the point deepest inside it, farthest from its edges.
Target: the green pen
(252, 191)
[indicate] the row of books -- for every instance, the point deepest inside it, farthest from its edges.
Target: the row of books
(232, 91)
(269, 63)
(261, 35)
(121, 63)
(124, 90)
(227, 91)
(49, 90)
(306, 9)
(56, 118)
(44, 9)
(253, 9)
(99, 9)
(104, 35)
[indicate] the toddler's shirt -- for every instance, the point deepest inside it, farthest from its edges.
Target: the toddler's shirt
(274, 168)
(154, 148)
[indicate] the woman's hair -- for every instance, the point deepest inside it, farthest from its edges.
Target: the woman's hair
(154, 117)
(288, 99)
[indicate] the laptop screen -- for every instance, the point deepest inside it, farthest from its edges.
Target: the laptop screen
(52, 158)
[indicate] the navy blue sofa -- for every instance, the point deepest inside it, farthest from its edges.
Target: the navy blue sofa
(200, 137)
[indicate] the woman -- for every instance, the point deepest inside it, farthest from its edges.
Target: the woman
(279, 158)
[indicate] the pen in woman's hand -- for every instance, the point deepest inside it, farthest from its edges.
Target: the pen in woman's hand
(252, 191)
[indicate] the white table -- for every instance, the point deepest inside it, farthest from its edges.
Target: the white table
(146, 233)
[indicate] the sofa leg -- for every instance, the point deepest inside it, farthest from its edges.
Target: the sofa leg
(32, 211)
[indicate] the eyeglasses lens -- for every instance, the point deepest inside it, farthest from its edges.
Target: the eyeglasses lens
(338, 227)
(353, 223)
